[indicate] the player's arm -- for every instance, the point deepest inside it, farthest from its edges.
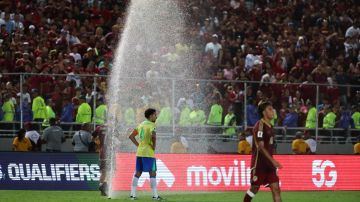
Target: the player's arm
(153, 138)
(133, 139)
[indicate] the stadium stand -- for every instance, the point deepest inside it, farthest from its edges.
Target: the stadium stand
(303, 56)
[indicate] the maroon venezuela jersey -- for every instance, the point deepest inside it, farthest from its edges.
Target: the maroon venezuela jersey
(262, 132)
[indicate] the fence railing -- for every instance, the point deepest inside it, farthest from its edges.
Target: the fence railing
(283, 134)
(200, 92)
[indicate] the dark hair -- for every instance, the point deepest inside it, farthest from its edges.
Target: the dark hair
(52, 121)
(262, 106)
(149, 112)
(85, 126)
(29, 126)
(95, 133)
(21, 133)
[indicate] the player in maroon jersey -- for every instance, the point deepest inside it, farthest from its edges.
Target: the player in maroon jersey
(99, 137)
(263, 165)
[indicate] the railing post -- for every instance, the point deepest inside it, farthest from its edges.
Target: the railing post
(245, 104)
(21, 100)
(94, 103)
(317, 113)
(173, 105)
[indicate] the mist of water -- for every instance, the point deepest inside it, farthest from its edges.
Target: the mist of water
(152, 40)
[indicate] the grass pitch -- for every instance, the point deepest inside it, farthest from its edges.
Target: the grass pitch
(86, 196)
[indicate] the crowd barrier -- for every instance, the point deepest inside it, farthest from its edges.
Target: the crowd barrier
(283, 134)
(174, 89)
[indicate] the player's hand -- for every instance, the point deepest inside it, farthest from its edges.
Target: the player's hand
(277, 164)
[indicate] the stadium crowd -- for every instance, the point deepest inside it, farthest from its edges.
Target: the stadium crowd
(285, 46)
(42, 38)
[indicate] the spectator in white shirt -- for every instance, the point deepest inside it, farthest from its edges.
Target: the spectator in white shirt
(73, 39)
(73, 75)
(207, 28)
(18, 24)
(235, 4)
(350, 45)
(268, 77)
(25, 95)
(251, 60)
(214, 47)
(311, 142)
(32, 29)
(33, 136)
(76, 55)
(248, 136)
(353, 31)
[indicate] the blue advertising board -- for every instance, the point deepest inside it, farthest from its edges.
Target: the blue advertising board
(49, 171)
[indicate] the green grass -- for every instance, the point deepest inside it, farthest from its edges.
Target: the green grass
(86, 196)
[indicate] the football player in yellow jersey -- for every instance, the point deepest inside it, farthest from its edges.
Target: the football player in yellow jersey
(145, 155)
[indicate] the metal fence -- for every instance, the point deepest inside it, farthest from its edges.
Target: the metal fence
(176, 88)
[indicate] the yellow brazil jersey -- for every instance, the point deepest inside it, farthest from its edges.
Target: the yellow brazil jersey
(177, 148)
(357, 148)
(23, 145)
(244, 147)
(300, 145)
(145, 131)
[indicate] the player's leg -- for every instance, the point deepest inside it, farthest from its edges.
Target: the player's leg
(153, 184)
(137, 175)
(152, 172)
(275, 189)
(103, 185)
(250, 194)
(134, 184)
(273, 180)
(150, 166)
(257, 179)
